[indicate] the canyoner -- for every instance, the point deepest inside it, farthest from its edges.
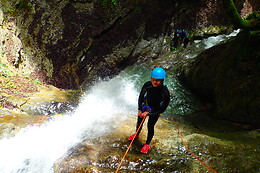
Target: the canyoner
(153, 100)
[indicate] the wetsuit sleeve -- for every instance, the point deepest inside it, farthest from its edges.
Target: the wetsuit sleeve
(164, 103)
(142, 96)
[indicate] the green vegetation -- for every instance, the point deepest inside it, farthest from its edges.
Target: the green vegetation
(37, 81)
(10, 82)
(7, 84)
(113, 2)
(4, 71)
(137, 8)
(23, 4)
(8, 10)
(254, 15)
(252, 22)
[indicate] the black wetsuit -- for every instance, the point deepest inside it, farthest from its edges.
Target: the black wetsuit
(157, 98)
(185, 42)
(183, 35)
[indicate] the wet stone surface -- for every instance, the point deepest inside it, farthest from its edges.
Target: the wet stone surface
(221, 151)
(34, 107)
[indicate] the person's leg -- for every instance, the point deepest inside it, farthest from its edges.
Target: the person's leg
(136, 134)
(151, 123)
(139, 121)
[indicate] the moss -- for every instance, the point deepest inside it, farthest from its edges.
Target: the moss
(250, 23)
(75, 95)
(23, 4)
(254, 15)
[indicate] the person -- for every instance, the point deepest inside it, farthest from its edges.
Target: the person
(153, 100)
(183, 34)
(175, 40)
(176, 32)
(185, 41)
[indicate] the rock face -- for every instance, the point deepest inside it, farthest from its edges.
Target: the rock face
(228, 76)
(70, 43)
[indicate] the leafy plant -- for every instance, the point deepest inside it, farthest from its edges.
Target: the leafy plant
(8, 10)
(137, 8)
(23, 4)
(27, 76)
(113, 2)
(37, 81)
(7, 84)
(4, 71)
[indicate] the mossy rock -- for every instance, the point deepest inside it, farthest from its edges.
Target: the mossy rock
(228, 77)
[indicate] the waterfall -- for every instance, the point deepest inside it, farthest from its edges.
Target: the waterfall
(35, 149)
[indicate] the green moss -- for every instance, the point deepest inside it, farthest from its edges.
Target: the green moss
(111, 2)
(254, 15)
(251, 23)
(23, 4)
(138, 8)
(5, 71)
(37, 82)
(8, 10)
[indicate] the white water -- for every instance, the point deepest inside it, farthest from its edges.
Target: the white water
(201, 45)
(214, 40)
(35, 149)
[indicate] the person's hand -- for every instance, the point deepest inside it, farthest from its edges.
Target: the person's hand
(145, 114)
(142, 114)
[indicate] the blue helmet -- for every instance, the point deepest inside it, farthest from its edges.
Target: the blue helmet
(158, 73)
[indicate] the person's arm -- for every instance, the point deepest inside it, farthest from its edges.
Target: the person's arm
(141, 100)
(141, 97)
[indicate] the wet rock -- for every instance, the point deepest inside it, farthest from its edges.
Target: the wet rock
(48, 108)
(181, 146)
(227, 77)
(8, 129)
(48, 100)
(35, 108)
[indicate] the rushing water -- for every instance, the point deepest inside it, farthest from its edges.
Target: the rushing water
(35, 149)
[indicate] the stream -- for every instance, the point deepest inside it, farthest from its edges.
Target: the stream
(103, 109)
